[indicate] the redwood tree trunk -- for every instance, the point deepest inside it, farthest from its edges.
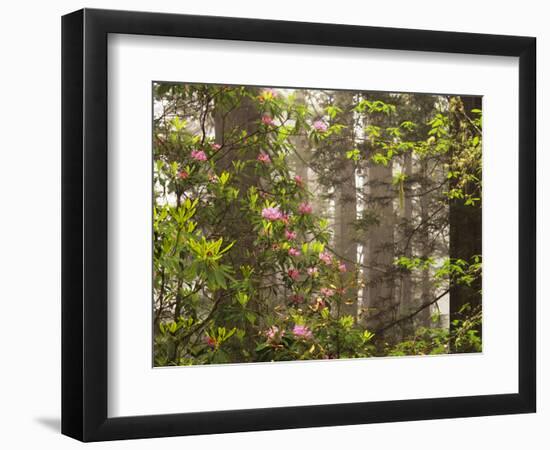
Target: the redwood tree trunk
(465, 239)
(381, 306)
(345, 206)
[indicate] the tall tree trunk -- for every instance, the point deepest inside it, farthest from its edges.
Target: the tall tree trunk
(381, 306)
(345, 206)
(465, 234)
(426, 248)
(407, 287)
(302, 145)
(229, 125)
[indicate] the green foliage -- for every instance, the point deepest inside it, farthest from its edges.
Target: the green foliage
(455, 270)
(463, 337)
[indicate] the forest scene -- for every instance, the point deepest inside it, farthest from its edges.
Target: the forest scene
(314, 224)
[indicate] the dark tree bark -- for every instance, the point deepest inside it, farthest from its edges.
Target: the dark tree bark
(426, 247)
(465, 232)
(235, 125)
(229, 122)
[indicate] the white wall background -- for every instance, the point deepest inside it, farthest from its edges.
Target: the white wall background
(30, 222)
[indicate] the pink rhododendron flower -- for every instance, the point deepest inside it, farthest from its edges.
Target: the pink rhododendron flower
(198, 155)
(296, 299)
(216, 147)
(293, 252)
(290, 235)
(267, 120)
(305, 208)
(273, 213)
(325, 257)
(264, 158)
(312, 271)
(273, 333)
(319, 125)
(342, 267)
(293, 273)
(183, 174)
(285, 219)
(210, 341)
(327, 292)
(302, 331)
(298, 180)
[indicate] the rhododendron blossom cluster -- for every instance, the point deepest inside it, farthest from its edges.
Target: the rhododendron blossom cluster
(199, 155)
(319, 125)
(302, 331)
(272, 213)
(312, 271)
(327, 292)
(294, 273)
(267, 120)
(211, 342)
(293, 252)
(290, 235)
(273, 333)
(264, 158)
(325, 257)
(305, 208)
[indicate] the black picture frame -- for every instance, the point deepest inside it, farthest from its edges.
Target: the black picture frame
(84, 224)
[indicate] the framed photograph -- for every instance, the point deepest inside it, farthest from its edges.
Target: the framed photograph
(273, 225)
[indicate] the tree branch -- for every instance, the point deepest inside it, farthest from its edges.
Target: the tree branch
(414, 313)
